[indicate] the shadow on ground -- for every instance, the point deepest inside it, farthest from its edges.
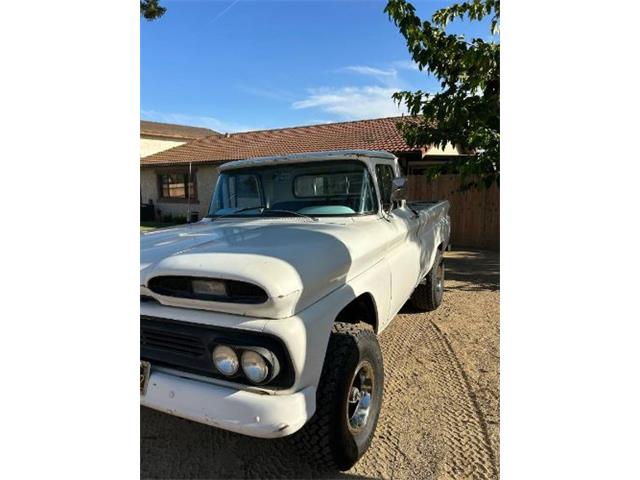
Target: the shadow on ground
(171, 447)
(472, 270)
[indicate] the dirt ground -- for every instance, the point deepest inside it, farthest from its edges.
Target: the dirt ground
(440, 413)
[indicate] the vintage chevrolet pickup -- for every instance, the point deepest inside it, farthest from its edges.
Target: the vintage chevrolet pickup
(262, 318)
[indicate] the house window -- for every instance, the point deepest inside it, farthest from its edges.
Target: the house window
(177, 186)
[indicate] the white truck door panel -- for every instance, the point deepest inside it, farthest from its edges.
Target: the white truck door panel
(404, 256)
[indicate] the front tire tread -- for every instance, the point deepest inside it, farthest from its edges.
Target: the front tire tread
(316, 439)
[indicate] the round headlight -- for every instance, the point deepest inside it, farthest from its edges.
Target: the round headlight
(254, 366)
(225, 360)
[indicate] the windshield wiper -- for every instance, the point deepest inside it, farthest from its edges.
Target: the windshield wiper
(290, 212)
(263, 210)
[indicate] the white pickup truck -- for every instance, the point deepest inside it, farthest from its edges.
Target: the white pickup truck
(263, 317)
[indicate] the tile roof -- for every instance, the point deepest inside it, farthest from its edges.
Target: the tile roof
(174, 131)
(377, 134)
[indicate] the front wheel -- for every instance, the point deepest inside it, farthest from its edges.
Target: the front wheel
(348, 402)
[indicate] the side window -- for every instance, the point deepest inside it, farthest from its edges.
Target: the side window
(384, 174)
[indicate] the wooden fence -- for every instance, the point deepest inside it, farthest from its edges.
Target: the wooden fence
(475, 214)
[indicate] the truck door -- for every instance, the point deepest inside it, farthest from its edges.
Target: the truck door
(403, 250)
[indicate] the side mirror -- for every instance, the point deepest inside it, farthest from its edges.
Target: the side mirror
(399, 189)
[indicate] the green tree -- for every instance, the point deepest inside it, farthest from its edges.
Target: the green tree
(151, 9)
(466, 112)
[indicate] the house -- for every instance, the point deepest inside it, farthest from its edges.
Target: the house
(181, 180)
(156, 137)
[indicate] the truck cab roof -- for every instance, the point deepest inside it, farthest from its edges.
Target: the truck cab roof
(367, 156)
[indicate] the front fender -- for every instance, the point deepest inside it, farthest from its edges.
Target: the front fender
(306, 335)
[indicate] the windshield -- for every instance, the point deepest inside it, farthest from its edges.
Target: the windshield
(329, 188)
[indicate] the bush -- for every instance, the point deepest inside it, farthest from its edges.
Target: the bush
(176, 220)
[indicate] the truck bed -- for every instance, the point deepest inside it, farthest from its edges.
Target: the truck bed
(430, 207)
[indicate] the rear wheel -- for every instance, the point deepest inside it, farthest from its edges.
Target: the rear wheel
(428, 295)
(348, 402)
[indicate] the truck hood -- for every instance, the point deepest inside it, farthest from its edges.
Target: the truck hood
(295, 261)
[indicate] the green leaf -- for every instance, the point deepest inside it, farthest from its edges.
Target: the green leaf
(466, 112)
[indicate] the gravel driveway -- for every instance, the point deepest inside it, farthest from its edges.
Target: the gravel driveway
(440, 413)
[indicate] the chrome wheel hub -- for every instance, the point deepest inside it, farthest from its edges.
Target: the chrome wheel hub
(360, 397)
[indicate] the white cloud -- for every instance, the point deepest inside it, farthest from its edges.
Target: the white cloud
(319, 121)
(363, 101)
(388, 77)
(406, 65)
(359, 102)
(371, 71)
(365, 70)
(197, 121)
(352, 103)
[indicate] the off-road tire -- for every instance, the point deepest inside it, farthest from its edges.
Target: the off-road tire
(326, 440)
(428, 295)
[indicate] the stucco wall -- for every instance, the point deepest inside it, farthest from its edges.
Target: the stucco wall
(207, 177)
(151, 145)
(205, 180)
(148, 185)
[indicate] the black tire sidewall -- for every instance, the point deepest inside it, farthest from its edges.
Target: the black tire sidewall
(350, 445)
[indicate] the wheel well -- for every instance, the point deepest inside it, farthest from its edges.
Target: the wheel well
(360, 309)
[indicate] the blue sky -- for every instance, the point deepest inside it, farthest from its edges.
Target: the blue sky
(240, 65)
